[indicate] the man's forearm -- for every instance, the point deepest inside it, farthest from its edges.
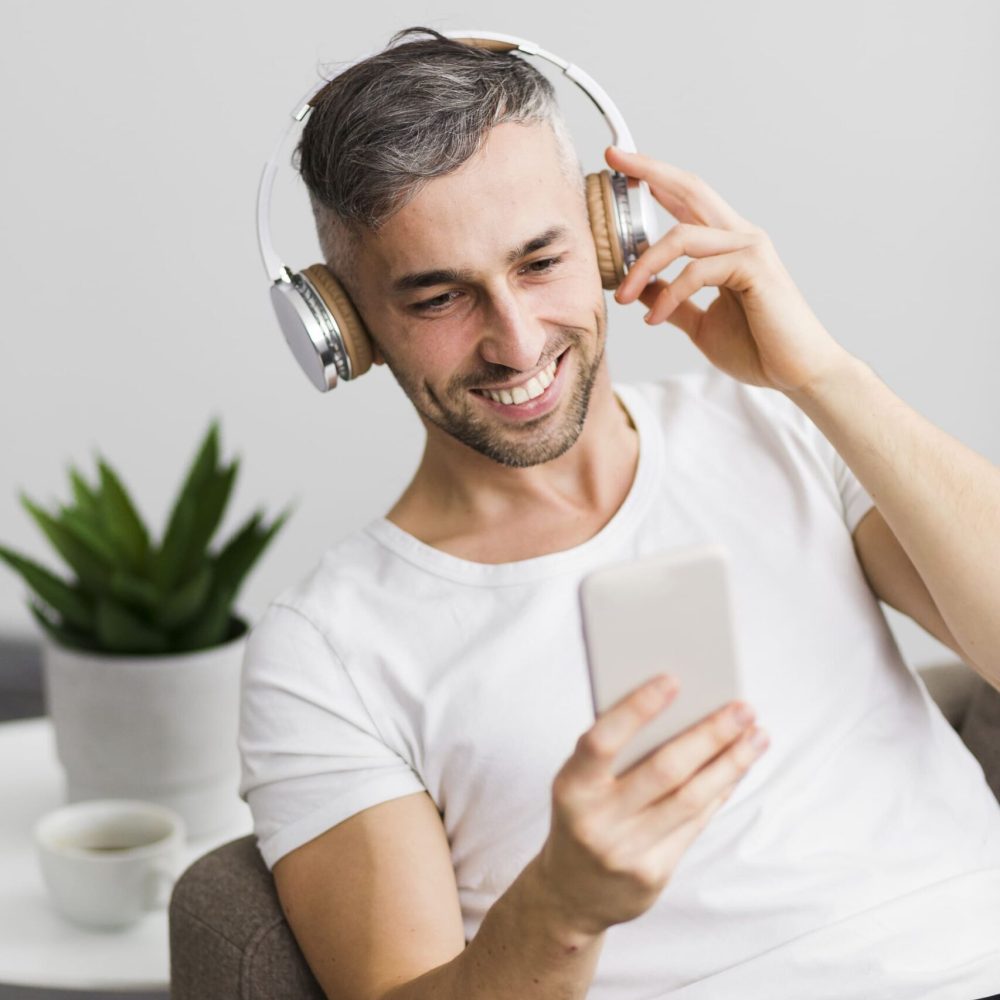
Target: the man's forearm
(940, 498)
(521, 952)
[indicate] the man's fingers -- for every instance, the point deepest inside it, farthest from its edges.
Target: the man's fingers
(676, 819)
(683, 194)
(682, 240)
(650, 293)
(643, 167)
(704, 793)
(665, 770)
(598, 747)
(686, 316)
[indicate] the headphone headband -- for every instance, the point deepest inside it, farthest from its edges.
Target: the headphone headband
(273, 265)
(320, 323)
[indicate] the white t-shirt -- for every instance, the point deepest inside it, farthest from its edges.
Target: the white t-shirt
(858, 859)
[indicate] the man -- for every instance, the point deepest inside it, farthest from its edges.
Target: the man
(429, 786)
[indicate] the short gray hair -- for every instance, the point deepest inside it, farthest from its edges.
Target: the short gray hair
(381, 130)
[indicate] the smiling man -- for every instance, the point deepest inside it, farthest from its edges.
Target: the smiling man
(502, 357)
(493, 323)
(472, 346)
(428, 784)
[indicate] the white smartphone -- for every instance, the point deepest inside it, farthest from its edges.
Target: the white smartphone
(666, 613)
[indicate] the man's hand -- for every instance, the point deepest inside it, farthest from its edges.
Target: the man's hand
(759, 330)
(615, 840)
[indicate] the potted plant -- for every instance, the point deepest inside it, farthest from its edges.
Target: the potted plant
(142, 649)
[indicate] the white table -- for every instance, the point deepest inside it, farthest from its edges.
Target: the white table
(38, 947)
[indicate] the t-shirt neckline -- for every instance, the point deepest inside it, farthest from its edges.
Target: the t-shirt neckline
(443, 564)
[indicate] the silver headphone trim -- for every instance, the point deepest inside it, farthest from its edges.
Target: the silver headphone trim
(304, 336)
(623, 216)
(334, 338)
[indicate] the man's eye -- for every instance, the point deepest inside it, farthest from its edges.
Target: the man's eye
(435, 304)
(543, 266)
(441, 302)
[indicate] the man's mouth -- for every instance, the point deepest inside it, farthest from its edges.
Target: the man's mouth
(525, 391)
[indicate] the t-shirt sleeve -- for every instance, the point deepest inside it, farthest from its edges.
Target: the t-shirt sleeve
(856, 499)
(310, 753)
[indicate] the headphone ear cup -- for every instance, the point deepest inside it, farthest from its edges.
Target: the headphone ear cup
(604, 226)
(357, 342)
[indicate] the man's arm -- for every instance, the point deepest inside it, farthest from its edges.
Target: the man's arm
(940, 499)
(374, 907)
(521, 950)
(895, 580)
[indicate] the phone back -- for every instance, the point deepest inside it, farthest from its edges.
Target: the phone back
(666, 613)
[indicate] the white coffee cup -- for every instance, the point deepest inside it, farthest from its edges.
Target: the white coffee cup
(106, 862)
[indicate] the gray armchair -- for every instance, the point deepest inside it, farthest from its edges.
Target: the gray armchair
(228, 935)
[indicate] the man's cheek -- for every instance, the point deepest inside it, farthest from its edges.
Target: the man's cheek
(573, 300)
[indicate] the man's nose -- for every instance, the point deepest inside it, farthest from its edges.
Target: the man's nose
(512, 335)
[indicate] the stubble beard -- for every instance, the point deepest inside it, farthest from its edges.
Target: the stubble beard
(516, 446)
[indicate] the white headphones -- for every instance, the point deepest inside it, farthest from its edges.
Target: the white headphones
(321, 325)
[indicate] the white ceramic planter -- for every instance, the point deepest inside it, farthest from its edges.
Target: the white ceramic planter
(158, 728)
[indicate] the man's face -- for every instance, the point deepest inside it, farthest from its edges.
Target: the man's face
(487, 277)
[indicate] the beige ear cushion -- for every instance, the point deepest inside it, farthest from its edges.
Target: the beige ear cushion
(601, 208)
(352, 329)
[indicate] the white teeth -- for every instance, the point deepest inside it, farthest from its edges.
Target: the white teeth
(530, 390)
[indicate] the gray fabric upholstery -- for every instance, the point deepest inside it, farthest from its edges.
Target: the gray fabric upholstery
(980, 730)
(228, 935)
(951, 685)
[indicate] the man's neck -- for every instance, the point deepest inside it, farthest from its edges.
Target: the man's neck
(472, 507)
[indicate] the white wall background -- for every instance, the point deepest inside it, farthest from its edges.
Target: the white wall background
(862, 135)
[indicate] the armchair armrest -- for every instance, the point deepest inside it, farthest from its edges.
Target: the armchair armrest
(973, 707)
(951, 685)
(228, 936)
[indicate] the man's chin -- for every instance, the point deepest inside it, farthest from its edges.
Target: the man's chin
(534, 442)
(516, 455)
(472, 422)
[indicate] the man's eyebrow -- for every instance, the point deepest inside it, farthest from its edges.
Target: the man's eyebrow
(551, 235)
(427, 279)
(450, 275)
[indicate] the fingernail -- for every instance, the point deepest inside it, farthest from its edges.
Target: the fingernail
(742, 714)
(759, 740)
(646, 317)
(666, 686)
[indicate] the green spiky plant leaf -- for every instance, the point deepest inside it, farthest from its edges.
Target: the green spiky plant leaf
(125, 595)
